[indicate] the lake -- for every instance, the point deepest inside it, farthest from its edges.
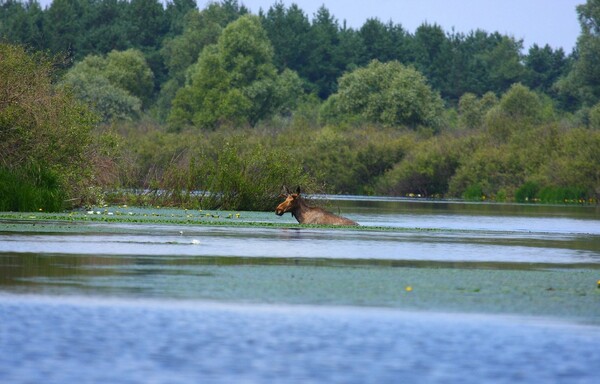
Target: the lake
(422, 291)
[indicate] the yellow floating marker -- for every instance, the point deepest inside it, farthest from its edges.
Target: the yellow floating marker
(408, 288)
(598, 284)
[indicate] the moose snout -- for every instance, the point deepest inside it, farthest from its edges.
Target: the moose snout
(280, 210)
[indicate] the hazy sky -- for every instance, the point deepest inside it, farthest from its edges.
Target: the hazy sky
(552, 22)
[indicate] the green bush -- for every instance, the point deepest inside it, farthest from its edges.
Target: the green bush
(40, 124)
(474, 193)
(426, 170)
(527, 192)
(30, 189)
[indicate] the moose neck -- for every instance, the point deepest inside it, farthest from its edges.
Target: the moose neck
(300, 209)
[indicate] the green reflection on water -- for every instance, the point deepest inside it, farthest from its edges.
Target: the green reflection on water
(529, 289)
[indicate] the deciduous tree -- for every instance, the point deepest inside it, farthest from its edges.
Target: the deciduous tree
(388, 93)
(233, 81)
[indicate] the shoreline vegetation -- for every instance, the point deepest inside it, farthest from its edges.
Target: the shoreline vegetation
(214, 100)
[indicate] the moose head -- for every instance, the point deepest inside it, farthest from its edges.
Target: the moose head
(290, 203)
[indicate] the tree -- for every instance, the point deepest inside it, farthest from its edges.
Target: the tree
(175, 14)
(106, 99)
(179, 53)
(234, 81)
(350, 51)
(544, 67)
(147, 23)
(519, 109)
(581, 87)
(472, 110)
(107, 28)
(503, 63)
(595, 117)
(115, 86)
(288, 30)
(431, 51)
(130, 71)
(22, 22)
(65, 21)
(378, 41)
(322, 69)
(388, 93)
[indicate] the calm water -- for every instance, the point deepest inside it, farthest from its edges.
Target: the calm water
(98, 341)
(456, 293)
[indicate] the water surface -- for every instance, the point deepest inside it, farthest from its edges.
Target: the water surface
(421, 292)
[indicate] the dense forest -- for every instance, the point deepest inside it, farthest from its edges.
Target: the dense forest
(140, 102)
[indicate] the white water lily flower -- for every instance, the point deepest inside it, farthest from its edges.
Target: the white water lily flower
(195, 242)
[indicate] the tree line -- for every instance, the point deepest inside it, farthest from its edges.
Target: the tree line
(318, 48)
(222, 100)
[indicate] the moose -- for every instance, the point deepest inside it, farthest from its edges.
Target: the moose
(306, 214)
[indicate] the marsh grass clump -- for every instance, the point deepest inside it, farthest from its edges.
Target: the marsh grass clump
(30, 189)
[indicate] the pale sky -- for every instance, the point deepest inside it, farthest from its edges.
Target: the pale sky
(552, 22)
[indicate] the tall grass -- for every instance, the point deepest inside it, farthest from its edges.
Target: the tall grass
(232, 171)
(31, 188)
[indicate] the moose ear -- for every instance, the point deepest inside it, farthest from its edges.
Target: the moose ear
(298, 190)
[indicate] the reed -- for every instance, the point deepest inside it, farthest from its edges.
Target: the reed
(31, 188)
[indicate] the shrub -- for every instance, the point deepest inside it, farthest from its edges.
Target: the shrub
(594, 117)
(527, 192)
(426, 169)
(474, 193)
(251, 180)
(41, 125)
(224, 171)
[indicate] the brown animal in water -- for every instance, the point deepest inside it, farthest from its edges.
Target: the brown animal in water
(305, 214)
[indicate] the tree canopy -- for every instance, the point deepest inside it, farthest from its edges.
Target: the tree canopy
(390, 94)
(319, 48)
(234, 80)
(115, 86)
